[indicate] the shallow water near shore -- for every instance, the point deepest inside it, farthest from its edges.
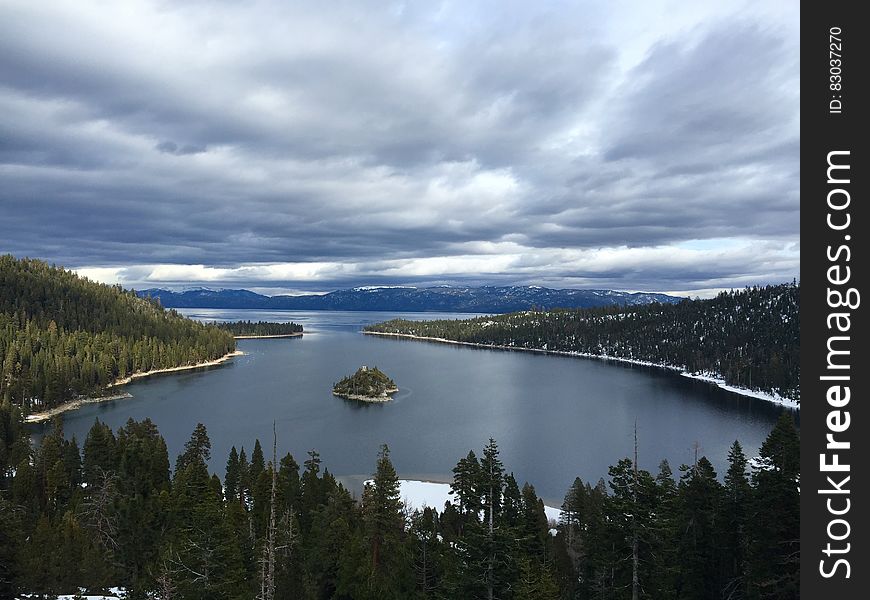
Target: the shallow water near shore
(554, 417)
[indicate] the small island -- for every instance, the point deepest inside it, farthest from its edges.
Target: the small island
(366, 385)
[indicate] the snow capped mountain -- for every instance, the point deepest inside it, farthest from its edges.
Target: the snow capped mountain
(485, 299)
(377, 288)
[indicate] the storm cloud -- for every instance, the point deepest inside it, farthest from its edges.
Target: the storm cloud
(302, 146)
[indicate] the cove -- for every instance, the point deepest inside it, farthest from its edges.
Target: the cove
(554, 417)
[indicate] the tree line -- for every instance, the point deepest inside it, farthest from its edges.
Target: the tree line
(63, 336)
(112, 512)
(750, 338)
(258, 328)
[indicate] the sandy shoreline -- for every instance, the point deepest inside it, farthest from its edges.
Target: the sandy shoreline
(78, 403)
(72, 405)
(775, 398)
(268, 337)
(209, 363)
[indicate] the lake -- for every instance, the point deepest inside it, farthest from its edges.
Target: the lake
(554, 417)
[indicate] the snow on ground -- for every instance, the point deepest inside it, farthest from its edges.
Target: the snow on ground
(552, 513)
(418, 494)
(770, 397)
(116, 594)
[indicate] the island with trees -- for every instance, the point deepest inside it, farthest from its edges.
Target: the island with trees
(243, 330)
(366, 385)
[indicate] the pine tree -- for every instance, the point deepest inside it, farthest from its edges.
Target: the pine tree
(428, 550)
(665, 535)
(534, 529)
(232, 479)
(487, 542)
(573, 508)
(737, 497)
(699, 498)
(205, 560)
(774, 544)
(100, 453)
(535, 581)
(335, 562)
(382, 507)
(465, 487)
(141, 510)
(269, 558)
(570, 544)
(512, 502)
(244, 480)
(288, 475)
(11, 541)
(197, 448)
(630, 512)
(258, 463)
(312, 492)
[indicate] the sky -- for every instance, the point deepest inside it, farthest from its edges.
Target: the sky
(296, 147)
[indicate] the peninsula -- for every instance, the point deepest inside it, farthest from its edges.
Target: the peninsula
(64, 338)
(366, 385)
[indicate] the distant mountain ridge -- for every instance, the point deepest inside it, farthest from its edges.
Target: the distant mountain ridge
(485, 299)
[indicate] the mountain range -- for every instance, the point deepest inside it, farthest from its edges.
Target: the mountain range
(485, 299)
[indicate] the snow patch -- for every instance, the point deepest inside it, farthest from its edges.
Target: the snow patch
(419, 494)
(375, 288)
(115, 593)
(769, 396)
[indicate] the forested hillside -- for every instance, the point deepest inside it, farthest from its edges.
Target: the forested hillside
(749, 338)
(63, 336)
(111, 512)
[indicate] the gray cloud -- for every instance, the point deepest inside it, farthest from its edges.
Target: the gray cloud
(508, 141)
(169, 147)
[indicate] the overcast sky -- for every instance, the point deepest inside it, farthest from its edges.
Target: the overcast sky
(307, 146)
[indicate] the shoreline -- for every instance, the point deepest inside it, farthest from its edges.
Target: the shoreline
(49, 414)
(40, 417)
(208, 363)
(373, 399)
(268, 337)
(709, 378)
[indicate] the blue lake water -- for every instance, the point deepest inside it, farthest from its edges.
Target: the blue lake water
(553, 417)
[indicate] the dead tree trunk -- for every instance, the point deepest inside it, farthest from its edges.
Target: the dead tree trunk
(267, 573)
(635, 581)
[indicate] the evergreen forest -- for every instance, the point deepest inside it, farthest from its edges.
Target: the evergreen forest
(63, 336)
(259, 328)
(750, 338)
(112, 511)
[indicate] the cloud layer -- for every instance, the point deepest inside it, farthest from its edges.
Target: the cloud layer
(316, 146)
